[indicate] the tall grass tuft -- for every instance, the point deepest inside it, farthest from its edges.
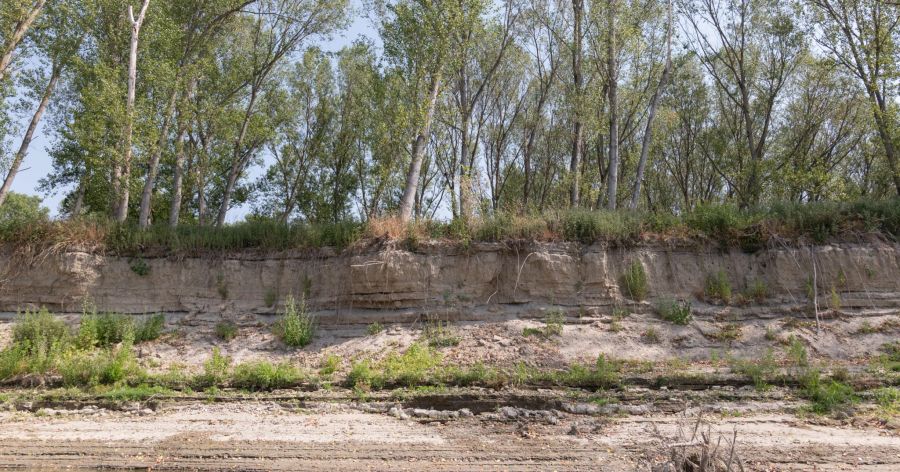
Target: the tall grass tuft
(296, 327)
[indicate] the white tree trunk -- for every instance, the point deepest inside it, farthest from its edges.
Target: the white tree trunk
(407, 203)
(18, 35)
(124, 174)
(29, 134)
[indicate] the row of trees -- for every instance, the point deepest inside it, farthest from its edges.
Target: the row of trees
(158, 110)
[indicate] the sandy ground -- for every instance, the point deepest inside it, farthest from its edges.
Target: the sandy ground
(267, 436)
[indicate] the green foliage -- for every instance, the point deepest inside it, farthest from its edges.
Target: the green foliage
(21, 210)
(634, 281)
(104, 330)
(264, 376)
(675, 311)
(374, 328)
(226, 330)
(143, 392)
(591, 226)
(796, 352)
(718, 287)
(826, 395)
(149, 328)
(271, 297)
(761, 371)
(330, 365)
(100, 366)
(439, 334)
(40, 331)
(757, 291)
(553, 326)
(296, 327)
(140, 267)
(216, 370)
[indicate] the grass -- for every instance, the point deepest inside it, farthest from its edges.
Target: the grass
(374, 328)
(675, 311)
(728, 333)
(296, 327)
(761, 371)
(553, 326)
(440, 334)
(634, 282)
(265, 376)
(749, 229)
(757, 290)
(226, 330)
(717, 287)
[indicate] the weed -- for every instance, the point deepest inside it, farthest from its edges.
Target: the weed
(222, 286)
(140, 267)
(796, 352)
(226, 330)
(757, 291)
(296, 327)
(651, 336)
(834, 300)
(675, 311)
(271, 297)
(728, 333)
(634, 281)
(265, 376)
(440, 334)
(362, 376)
(825, 395)
(888, 398)
(143, 392)
(329, 366)
(99, 367)
(717, 287)
(149, 328)
(216, 370)
(374, 328)
(771, 335)
(410, 368)
(477, 374)
(616, 327)
(553, 326)
(39, 330)
(761, 371)
(104, 330)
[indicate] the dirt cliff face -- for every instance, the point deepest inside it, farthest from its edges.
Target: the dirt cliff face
(478, 282)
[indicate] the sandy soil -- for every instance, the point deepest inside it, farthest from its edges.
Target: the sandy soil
(267, 436)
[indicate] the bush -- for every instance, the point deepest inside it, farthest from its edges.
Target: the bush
(410, 368)
(226, 330)
(718, 287)
(676, 311)
(825, 395)
(760, 371)
(40, 331)
(553, 326)
(104, 330)
(374, 328)
(591, 226)
(99, 367)
(260, 376)
(634, 281)
(149, 328)
(440, 334)
(757, 291)
(297, 326)
(215, 370)
(21, 210)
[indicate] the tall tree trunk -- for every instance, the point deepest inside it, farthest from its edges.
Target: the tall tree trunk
(465, 167)
(578, 132)
(29, 134)
(125, 173)
(612, 66)
(178, 178)
(153, 167)
(407, 203)
(237, 166)
(79, 198)
(651, 115)
(18, 34)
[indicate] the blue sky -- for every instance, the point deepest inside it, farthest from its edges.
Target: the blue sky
(37, 164)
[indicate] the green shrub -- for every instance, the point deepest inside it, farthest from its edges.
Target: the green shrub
(216, 370)
(99, 367)
(440, 334)
(297, 326)
(226, 330)
(825, 395)
(149, 328)
(14, 360)
(553, 326)
(270, 298)
(634, 281)
(374, 328)
(330, 365)
(40, 329)
(140, 267)
(757, 291)
(263, 376)
(104, 330)
(363, 376)
(410, 368)
(718, 287)
(675, 311)
(591, 226)
(796, 352)
(761, 371)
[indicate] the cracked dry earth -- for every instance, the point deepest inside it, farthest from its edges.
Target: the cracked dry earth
(265, 435)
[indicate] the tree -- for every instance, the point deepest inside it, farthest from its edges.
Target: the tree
(862, 36)
(20, 15)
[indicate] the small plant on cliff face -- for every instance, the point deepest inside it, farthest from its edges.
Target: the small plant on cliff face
(651, 336)
(634, 281)
(140, 267)
(717, 287)
(270, 298)
(834, 300)
(757, 291)
(297, 326)
(676, 311)
(222, 286)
